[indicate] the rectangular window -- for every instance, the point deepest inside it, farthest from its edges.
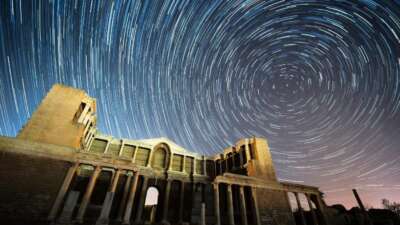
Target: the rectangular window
(98, 146)
(199, 166)
(113, 149)
(177, 162)
(210, 167)
(142, 156)
(79, 111)
(128, 151)
(189, 164)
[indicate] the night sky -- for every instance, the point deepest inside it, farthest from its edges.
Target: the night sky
(319, 79)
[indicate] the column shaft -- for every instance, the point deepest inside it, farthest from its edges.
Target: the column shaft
(141, 200)
(128, 209)
(231, 217)
(314, 217)
(255, 206)
(216, 204)
(181, 201)
(63, 190)
(303, 219)
(108, 201)
(121, 208)
(88, 194)
(243, 206)
(166, 202)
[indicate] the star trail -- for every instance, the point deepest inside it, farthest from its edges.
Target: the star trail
(318, 79)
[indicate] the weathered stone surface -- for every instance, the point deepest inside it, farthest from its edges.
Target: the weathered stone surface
(62, 133)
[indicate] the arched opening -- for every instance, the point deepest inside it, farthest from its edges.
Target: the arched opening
(160, 157)
(151, 203)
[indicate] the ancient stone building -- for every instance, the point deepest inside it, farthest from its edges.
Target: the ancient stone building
(61, 170)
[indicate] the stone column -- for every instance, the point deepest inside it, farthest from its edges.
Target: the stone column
(256, 212)
(314, 217)
(216, 204)
(141, 200)
(203, 214)
(231, 216)
(124, 196)
(243, 206)
(171, 157)
(181, 201)
(247, 150)
(106, 208)
(320, 207)
(128, 209)
(166, 203)
(303, 219)
(204, 165)
(88, 194)
(63, 190)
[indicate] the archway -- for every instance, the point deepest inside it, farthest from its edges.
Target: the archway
(151, 203)
(160, 157)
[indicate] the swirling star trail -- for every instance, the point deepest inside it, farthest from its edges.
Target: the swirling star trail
(318, 79)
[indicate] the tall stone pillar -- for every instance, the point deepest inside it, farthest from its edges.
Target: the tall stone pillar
(129, 204)
(243, 206)
(247, 150)
(141, 200)
(314, 217)
(121, 208)
(216, 204)
(106, 209)
(63, 190)
(181, 201)
(166, 203)
(303, 219)
(88, 194)
(320, 206)
(256, 212)
(231, 217)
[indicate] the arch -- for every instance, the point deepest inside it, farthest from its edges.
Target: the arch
(160, 156)
(152, 195)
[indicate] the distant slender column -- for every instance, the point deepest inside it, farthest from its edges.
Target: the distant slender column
(63, 190)
(128, 209)
(141, 200)
(255, 206)
(230, 205)
(243, 206)
(121, 208)
(106, 208)
(181, 202)
(204, 166)
(303, 219)
(166, 202)
(216, 204)
(88, 194)
(314, 217)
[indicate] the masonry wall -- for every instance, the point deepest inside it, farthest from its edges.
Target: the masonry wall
(274, 205)
(53, 121)
(28, 187)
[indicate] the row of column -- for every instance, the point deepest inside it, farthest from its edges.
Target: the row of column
(229, 203)
(125, 208)
(232, 158)
(126, 204)
(319, 206)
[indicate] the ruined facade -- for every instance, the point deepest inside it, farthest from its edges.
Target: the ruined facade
(61, 170)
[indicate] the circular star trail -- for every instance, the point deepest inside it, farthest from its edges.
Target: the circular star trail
(318, 79)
